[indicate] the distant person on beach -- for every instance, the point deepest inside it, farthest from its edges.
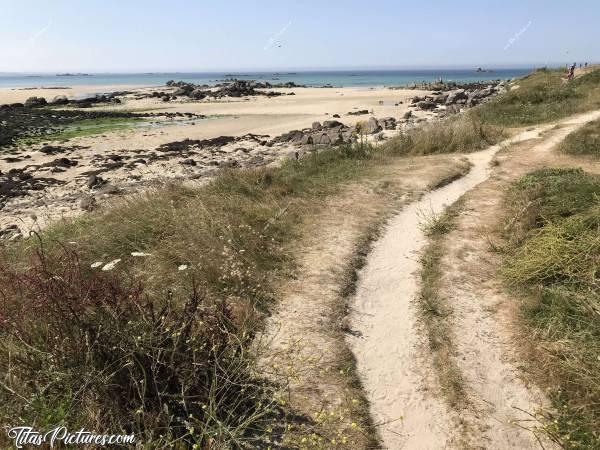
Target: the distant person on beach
(571, 74)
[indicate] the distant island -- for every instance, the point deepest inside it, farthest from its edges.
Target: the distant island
(73, 75)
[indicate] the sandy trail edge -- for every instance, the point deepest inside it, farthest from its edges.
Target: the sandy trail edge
(388, 347)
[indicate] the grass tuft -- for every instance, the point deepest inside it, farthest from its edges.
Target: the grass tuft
(553, 258)
(585, 141)
(435, 311)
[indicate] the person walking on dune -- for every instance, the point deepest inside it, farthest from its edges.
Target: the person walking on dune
(571, 74)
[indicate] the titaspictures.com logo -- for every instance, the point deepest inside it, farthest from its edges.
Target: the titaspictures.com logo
(22, 436)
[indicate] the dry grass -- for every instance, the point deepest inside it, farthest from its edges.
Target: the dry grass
(462, 134)
(435, 311)
(553, 257)
(231, 239)
(542, 96)
(585, 141)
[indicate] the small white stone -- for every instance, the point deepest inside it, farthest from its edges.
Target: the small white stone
(111, 265)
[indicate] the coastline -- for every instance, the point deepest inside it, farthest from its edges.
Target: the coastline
(143, 139)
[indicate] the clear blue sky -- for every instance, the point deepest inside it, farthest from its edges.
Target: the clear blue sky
(186, 35)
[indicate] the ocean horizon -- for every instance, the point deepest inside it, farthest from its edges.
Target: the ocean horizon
(336, 78)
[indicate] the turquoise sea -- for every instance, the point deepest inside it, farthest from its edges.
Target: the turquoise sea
(357, 78)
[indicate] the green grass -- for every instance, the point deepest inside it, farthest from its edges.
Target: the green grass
(82, 128)
(585, 141)
(553, 257)
(542, 96)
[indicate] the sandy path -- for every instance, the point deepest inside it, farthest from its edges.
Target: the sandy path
(396, 374)
(304, 338)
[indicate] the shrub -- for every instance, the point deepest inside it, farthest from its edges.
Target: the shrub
(87, 348)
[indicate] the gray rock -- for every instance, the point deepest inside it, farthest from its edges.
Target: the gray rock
(230, 163)
(347, 136)
(454, 96)
(316, 126)
(197, 94)
(325, 140)
(35, 101)
(335, 137)
(372, 126)
(94, 181)
(440, 99)
(332, 124)
(408, 115)
(426, 105)
(88, 203)
(388, 123)
(10, 232)
(307, 139)
(60, 100)
(452, 109)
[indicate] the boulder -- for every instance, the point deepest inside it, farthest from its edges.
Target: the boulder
(332, 124)
(426, 105)
(440, 99)
(94, 181)
(455, 96)
(358, 113)
(88, 203)
(452, 109)
(197, 94)
(388, 123)
(60, 100)
(316, 126)
(372, 126)
(307, 139)
(35, 101)
(408, 115)
(10, 232)
(324, 139)
(335, 137)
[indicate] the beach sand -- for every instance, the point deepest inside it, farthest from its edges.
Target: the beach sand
(261, 115)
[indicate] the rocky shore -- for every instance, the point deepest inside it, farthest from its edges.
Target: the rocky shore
(18, 121)
(231, 88)
(451, 98)
(42, 179)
